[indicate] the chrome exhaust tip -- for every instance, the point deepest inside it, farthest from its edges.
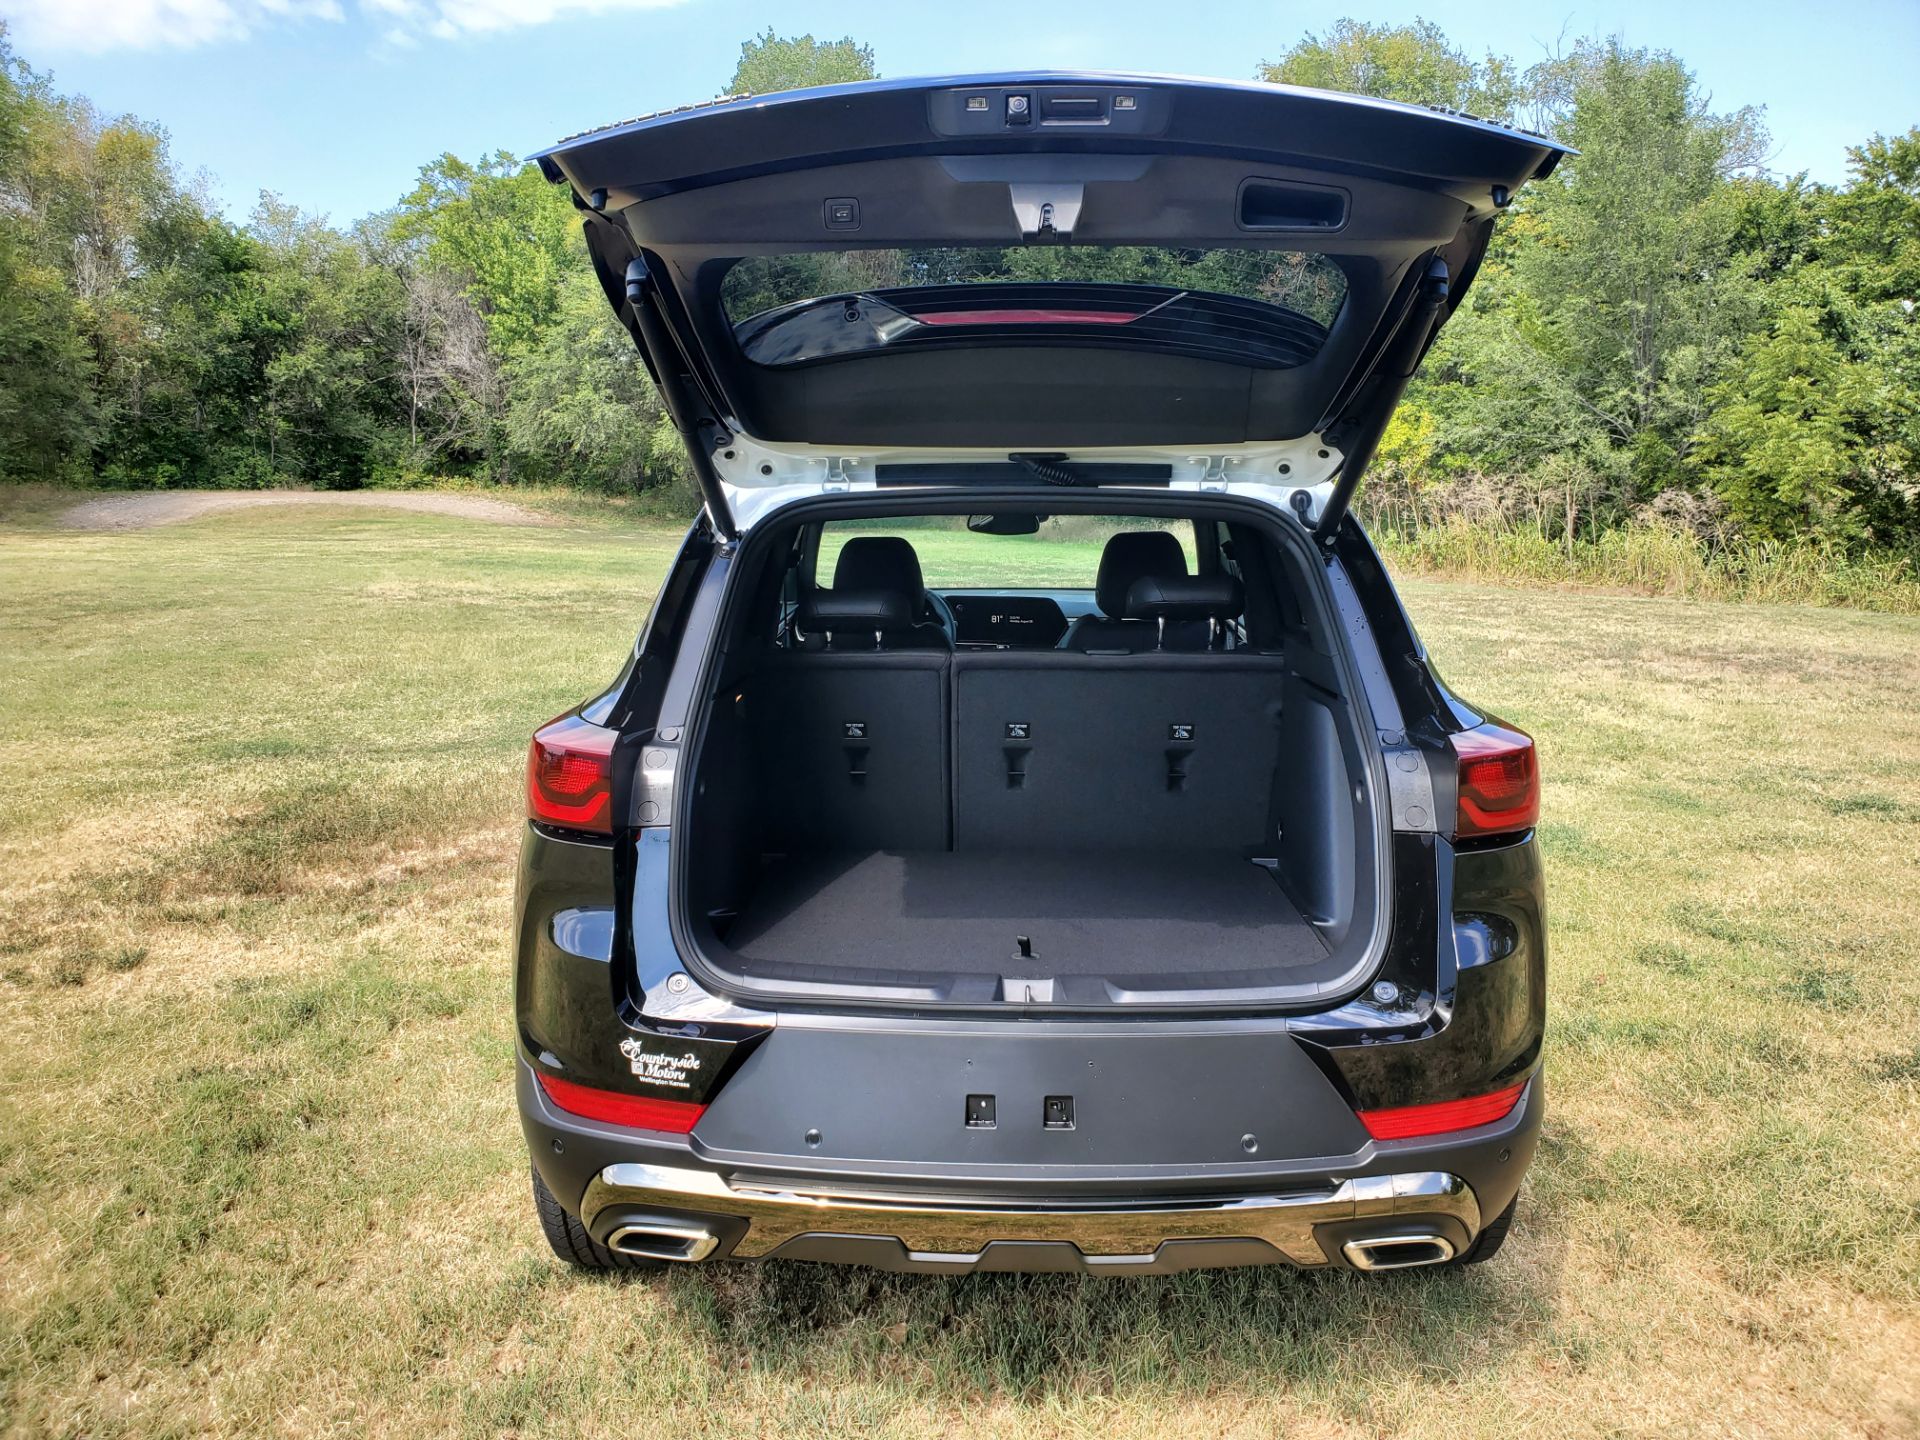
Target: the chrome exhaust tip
(1397, 1252)
(686, 1244)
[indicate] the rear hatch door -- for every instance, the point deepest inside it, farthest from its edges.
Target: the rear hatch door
(1048, 262)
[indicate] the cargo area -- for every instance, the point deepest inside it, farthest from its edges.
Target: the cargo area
(880, 811)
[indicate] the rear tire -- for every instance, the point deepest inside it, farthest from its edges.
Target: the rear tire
(572, 1243)
(1487, 1243)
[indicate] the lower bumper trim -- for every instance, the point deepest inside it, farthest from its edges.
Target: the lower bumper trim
(959, 1235)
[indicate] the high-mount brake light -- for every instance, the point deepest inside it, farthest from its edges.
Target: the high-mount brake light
(1033, 316)
(674, 1117)
(570, 776)
(1405, 1122)
(1499, 791)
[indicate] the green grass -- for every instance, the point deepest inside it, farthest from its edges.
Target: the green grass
(1659, 560)
(259, 1166)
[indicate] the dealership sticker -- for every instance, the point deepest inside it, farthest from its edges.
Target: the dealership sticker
(657, 1069)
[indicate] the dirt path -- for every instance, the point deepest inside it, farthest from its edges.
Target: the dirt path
(138, 512)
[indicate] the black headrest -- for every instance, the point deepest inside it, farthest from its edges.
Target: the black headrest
(1184, 597)
(878, 562)
(1130, 555)
(856, 612)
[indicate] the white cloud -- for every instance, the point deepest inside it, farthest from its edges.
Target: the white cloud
(479, 17)
(96, 25)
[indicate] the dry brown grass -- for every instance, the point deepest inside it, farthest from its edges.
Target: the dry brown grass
(260, 1171)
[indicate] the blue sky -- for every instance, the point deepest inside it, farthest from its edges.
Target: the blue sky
(337, 103)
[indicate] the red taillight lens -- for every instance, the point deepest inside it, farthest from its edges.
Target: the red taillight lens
(675, 1117)
(1406, 1121)
(1499, 782)
(570, 776)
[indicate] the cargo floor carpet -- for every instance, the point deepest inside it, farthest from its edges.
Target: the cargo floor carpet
(1116, 914)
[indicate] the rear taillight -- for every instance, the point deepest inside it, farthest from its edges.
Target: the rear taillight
(1499, 782)
(570, 776)
(1404, 1122)
(676, 1117)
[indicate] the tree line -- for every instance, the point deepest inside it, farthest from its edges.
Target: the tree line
(1664, 331)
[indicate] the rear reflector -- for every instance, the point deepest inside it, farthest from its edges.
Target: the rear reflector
(1407, 1121)
(1499, 782)
(570, 776)
(675, 1117)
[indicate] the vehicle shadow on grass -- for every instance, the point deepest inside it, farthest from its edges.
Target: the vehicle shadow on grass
(1032, 1336)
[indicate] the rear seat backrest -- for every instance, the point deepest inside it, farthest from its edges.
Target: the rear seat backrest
(852, 748)
(1056, 750)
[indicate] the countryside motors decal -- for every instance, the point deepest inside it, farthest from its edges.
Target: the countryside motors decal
(662, 1062)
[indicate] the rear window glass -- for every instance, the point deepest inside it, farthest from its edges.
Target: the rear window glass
(1264, 307)
(1063, 555)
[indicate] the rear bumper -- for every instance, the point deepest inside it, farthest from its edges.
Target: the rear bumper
(678, 1198)
(1373, 1222)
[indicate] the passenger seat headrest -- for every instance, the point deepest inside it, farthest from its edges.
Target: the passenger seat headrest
(878, 562)
(854, 612)
(1185, 597)
(1130, 556)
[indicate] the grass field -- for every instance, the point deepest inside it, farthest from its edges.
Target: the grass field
(260, 1171)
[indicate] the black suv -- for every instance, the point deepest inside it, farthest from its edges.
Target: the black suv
(1028, 834)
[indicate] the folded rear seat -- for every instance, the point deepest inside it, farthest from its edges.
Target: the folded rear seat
(1058, 750)
(850, 738)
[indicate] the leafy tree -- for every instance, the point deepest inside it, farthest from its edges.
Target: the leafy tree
(1777, 224)
(1414, 63)
(1874, 223)
(582, 404)
(1789, 443)
(16, 85)
(451, 385)
(771, 62)
(192, 399)
(1616, 304)
(329, 405)
(48, 416)
(47, 409)
(1827, 439)
(507, 235)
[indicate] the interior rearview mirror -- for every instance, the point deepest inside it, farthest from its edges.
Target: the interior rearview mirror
(1004, 523)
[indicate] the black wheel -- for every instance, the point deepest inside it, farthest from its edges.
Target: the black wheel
(572, 1243)
(1487, 1243)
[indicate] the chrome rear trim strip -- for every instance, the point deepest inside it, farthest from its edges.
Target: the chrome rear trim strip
(932, 1230)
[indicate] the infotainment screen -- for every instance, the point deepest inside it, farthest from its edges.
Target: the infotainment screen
(1012, 622)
